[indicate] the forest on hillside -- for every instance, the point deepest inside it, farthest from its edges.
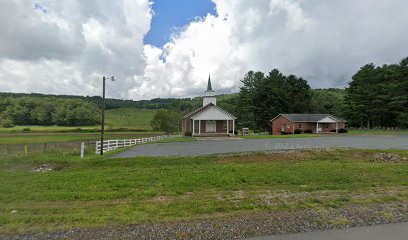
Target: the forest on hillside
(375, 98)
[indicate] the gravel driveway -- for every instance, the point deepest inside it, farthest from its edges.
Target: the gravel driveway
(249, 145)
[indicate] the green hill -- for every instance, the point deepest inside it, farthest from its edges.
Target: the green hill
(132, 118)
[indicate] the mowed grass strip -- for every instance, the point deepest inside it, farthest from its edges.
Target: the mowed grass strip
(28, 138)
(305, 135)
(99, 191)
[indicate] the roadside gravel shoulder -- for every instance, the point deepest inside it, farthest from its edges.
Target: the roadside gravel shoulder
(250, 225)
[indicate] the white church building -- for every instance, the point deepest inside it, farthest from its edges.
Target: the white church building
(209, 120)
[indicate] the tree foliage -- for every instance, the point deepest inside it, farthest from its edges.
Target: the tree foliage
(377, 96)
(329, 101)
(263, 97)
(167, 121)
(47, 111)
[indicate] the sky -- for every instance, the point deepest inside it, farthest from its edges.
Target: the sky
(168, 48)
(171, 16)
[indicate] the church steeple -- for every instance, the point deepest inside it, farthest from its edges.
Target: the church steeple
(209, 94)
(209, 87)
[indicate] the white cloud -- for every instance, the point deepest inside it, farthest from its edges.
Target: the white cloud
(322, 41)
(65, 46)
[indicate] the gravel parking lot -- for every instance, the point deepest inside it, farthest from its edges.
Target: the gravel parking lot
(272, 144)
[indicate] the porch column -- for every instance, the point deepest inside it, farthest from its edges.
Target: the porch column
(199, 127)
(337, 127)
(317, 127)
(193, 127)
(233, 126)
(227, 127)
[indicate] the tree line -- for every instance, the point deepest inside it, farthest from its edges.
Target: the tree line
(377, 96)
(47, 111)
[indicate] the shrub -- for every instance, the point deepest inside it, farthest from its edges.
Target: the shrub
(333, 130)
(343, 130)
(26, 130)
(236, 132)
(298, 131)
(308, 131)
(188, 134)
(284, 133)
(7, 123)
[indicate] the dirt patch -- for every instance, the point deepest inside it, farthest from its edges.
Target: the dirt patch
(47, 168)
(42, 168)
(265, 157)
(387, 157)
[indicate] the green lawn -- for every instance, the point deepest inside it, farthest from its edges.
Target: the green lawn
(280, 136)
(96, 191)
(176, 139)
(350, 132)
(376, 132)
(27, 138)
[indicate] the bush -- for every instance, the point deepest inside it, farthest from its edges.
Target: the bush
(7, 123)
(236, 132)
(284, 133)
(298, 131)
(26, 130)
(333, 130)
(308, 131)
(188, 134)
(343, 130)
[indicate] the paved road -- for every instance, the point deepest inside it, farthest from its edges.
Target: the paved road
(395, 231)
(249, 145)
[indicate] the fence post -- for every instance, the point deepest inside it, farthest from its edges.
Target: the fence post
(96, 147)
(117, 143)
(82, 149)
(26, 149)
(45, 147)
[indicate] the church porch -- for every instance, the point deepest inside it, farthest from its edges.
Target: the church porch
(211, 128)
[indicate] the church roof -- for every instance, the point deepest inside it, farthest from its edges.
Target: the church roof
(307, 117)
(201, 109)
(204, 108)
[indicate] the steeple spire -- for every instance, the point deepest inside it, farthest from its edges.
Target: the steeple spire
(209, 87)
(209, 95)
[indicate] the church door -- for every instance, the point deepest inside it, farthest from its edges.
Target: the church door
(210, 126)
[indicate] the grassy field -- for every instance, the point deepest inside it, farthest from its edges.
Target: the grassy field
(135, 121)
(96, 191)
(131, 118)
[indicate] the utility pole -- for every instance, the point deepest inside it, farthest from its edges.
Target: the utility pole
(103, 111)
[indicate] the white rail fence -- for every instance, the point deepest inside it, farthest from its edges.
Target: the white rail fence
(109, 145)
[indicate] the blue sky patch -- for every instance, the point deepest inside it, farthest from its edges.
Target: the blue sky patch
(173, 14)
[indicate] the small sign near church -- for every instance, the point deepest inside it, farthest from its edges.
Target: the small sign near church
(245, 131)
